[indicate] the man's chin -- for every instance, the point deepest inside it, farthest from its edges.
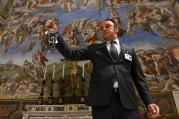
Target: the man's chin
(107, 39)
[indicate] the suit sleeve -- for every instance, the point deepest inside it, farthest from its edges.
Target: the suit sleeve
(139, 80)
(72, 53)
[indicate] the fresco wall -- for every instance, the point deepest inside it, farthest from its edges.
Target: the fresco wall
(150, 26)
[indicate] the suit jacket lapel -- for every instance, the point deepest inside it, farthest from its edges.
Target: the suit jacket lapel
(121, 55)
(106, 52)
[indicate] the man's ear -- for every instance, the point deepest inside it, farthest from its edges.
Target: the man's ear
(117, 29)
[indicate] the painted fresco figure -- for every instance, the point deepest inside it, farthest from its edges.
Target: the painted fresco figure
(39, 60)
(2, 88)
(131, 21)
(115, 67)
(74, 77)
(6, 38)
(31, 4)
(175, 5)
(29, 68)
(172, 81)
(147, 71)
(68, 5)
(5, 43)
(157, 63)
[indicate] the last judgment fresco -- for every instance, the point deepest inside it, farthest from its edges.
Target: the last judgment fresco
(150, 26)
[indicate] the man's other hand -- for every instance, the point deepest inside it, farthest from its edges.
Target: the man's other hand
(154, 110)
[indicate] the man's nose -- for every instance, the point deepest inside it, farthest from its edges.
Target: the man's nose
(104, 29)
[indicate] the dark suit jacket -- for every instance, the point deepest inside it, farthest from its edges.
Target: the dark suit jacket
(105, 70)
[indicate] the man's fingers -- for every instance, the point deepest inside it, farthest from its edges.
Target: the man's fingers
(153, 108)
(156, 109)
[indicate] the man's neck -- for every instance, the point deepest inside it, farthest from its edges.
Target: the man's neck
(108, 40)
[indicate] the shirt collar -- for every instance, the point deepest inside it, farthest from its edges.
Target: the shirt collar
(117, 41)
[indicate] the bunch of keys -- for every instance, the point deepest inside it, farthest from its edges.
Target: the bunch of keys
(50, 40)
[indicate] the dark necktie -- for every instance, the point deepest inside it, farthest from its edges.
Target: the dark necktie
(113, 51)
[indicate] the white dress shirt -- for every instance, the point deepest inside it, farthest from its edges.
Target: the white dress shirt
(117, 45)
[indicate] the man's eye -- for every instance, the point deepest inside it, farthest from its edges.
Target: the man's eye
(108, 26)
(105, 27)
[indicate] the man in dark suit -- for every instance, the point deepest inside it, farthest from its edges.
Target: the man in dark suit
(115, 70)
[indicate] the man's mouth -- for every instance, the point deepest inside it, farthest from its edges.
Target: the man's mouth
(106, 32)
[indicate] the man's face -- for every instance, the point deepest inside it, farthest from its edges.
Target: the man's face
(109, 31)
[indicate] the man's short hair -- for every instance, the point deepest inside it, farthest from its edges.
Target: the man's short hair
(113, 21)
